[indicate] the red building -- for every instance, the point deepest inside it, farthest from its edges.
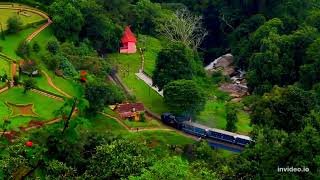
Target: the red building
(128, 42)
(131, 111)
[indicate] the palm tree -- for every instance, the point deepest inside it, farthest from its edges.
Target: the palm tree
(76, 104)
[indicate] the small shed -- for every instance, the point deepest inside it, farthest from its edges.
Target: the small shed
(128, 42)
(131, 111)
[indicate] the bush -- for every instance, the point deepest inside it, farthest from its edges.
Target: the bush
(23, 50)
(28, 84)
(36, 47)
(67, 68)
(14, 24)
(53, 46)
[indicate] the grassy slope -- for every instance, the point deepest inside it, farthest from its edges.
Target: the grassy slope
(42, 83)
(4, 67)
(103, 124)
(143, 93)
(42, 38)
(152, 48)
(11, 42)
(44, 106)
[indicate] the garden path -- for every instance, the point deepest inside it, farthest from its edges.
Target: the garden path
(54, 86)
(35, 33)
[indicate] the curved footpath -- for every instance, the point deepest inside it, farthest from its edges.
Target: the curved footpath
(54, 86)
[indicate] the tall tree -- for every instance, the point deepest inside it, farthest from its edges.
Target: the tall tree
(168, 168)
(184, 97)
(68, 19)
(119, 159)
(173, 63)
(284, 108)
(185, 27)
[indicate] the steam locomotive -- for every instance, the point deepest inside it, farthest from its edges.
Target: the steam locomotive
(182, 123)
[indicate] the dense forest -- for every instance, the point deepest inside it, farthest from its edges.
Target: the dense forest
(276, 42)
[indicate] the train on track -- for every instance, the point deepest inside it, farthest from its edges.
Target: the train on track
(183, 124)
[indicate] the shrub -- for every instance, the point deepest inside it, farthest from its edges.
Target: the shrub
(67, 68)
(23, 50)
(36, 47)
(14, 24)
(53, 46)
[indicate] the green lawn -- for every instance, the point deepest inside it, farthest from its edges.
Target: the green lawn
(151, 123)
(5, 67)
(42, 83)
(5, 14)
(152, 48)
(142, 91)
(67, 85)
(214, 115)
(243, 124)
(42, 39)
(12, 42)
(103, 124)
(44, 106)
(162, 137)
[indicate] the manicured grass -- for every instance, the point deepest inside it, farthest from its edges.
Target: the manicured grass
(162, 137)
(4, 67)
(128, 66)
(5, 14)
(12, 41)
(42, 83)
(151, 123)
(44, 106)
(103, 124)
(243, 124)
(42, 39)
(67, 85)
(214, 114)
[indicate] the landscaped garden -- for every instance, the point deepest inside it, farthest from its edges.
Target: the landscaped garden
(25, 16)
(43, 108)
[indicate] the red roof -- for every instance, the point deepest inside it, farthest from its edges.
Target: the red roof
(124, 108)
(128, 36)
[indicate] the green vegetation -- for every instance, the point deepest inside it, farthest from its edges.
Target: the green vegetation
(152, 48)
(12, 42)
(29, 18)
(128, 65)
(275, 42)
(150, 123)
(43, 106)
(5, 67)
